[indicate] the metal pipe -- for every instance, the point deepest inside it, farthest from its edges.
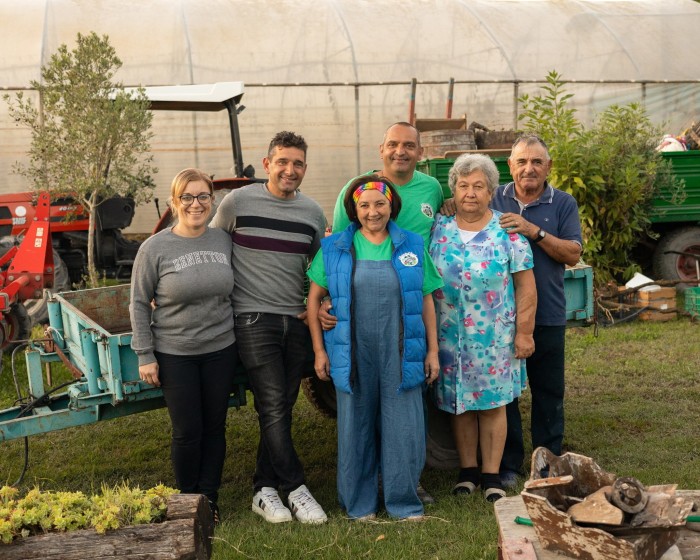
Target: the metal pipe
(412, 103)
(232, 109)
(450, 96)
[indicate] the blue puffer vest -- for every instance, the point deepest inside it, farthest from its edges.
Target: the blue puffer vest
(407, 260)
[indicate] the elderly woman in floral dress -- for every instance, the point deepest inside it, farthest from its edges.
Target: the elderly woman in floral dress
(485, 313)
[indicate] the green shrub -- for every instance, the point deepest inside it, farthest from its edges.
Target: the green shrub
(612, 169)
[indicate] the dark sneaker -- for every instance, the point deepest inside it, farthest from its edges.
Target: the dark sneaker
(509, 480)
(423, 495)
(215, 513)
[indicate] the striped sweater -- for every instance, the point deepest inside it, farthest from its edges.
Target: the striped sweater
(273, 241)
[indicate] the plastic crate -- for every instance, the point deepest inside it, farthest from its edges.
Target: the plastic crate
(692, 301)
(440, 169)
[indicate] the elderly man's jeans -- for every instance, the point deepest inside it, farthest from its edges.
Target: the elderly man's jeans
(545, 374)
(273, 349)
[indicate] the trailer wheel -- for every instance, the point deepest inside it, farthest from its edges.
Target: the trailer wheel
(669, 264)
(38, 309)
(321, 394)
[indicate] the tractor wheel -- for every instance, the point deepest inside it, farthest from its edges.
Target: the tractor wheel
(669, 264)
(38, 309)
(440, 447)
(18, 326)
(440, 451)
(321, 394)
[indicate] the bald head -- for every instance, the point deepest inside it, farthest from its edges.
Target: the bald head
(400, 151)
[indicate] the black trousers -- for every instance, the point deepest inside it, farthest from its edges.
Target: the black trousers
(196, 390)
(545, 374)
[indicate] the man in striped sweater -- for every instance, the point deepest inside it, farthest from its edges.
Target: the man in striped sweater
(275, 231)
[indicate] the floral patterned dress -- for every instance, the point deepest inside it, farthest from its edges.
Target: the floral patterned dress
(476, 315)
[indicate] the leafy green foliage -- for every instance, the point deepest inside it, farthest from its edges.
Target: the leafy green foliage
(116, 507)
(90, 138)
(612, 169)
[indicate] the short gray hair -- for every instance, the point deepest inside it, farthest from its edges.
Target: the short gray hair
(466, 164)
(529, 140)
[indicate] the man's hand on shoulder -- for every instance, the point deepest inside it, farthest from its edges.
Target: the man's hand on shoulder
(448, 208)
(327, 320)
(515, 223)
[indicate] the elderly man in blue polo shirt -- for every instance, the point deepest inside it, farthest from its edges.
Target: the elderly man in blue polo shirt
(549, 218)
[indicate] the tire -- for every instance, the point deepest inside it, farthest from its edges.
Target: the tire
(440, 451)
(20, 326)
(38, 309)
(668, 264)
(321, 394)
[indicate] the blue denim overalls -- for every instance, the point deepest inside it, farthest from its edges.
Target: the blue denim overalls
(379, 428)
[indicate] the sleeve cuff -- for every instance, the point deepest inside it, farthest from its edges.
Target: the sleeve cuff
(146, 358)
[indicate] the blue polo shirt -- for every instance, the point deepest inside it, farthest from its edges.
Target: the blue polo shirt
(556, 212)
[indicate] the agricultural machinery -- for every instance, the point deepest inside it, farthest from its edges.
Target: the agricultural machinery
(64, 224)
(89, 330)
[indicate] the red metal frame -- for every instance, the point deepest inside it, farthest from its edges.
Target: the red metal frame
(31, 266)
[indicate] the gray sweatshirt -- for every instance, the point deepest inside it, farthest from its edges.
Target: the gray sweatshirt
(191, 281)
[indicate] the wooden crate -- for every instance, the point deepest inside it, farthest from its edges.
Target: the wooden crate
(661, 304)
(577, 476)
(517, 541)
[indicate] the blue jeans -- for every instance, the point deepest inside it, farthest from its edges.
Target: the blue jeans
(274, 350)
(545, 375)
(196, 391)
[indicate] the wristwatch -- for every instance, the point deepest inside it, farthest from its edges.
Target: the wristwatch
(541, 234)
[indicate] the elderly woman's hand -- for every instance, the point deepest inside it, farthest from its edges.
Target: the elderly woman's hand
(432, 366)
(524, 345)
(322, 365)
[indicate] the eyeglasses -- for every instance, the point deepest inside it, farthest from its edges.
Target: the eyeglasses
(188, 199)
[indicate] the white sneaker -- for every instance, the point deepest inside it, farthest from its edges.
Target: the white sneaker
(305, 508)
(267, 504)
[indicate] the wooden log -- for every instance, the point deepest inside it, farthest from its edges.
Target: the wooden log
(184, 535)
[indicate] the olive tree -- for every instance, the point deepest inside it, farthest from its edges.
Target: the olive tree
(89, 137)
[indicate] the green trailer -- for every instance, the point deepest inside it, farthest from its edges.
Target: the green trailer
(676, 251)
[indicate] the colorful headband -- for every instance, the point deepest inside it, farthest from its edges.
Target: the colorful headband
(373, 185)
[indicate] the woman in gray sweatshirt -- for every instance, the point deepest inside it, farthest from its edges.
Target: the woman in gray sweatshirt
(182, 320)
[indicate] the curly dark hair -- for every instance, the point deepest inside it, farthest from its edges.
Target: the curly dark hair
(286, 139)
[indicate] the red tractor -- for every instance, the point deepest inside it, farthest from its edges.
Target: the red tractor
(65, 227)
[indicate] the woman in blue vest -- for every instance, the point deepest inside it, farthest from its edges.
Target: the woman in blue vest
(381, 352)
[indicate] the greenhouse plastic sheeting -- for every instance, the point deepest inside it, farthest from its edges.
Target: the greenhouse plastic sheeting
(339, 71)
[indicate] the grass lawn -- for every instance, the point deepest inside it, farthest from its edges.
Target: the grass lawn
(632, 405)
